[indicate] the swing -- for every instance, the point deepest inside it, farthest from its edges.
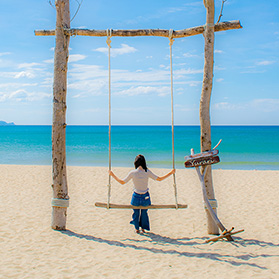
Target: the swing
(109, 205)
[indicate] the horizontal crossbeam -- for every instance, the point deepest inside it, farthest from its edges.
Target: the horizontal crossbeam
(153, 206)
(221, 26)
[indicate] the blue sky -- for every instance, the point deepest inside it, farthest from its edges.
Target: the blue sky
(246, 74)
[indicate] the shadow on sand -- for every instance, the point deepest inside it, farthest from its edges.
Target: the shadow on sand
(238, 260)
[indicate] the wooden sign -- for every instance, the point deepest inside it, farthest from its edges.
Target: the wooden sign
(202, 161)
(202, 154)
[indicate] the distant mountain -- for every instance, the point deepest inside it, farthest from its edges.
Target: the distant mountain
(3, 123)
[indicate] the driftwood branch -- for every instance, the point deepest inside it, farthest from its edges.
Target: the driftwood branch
(221, 26)
(223, 235)
(79, 5)
(50, 3)
(221, 12)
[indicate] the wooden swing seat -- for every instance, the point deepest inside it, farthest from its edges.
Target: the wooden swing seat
(129, 206)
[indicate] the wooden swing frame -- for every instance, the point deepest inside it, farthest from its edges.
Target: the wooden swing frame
(63, 32)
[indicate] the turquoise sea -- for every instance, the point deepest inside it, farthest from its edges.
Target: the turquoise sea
(242, 147)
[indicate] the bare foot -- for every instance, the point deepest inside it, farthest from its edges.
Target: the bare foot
(137, 231)
(143, 230)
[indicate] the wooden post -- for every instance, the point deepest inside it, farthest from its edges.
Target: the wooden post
(212, 228)
(59, 176)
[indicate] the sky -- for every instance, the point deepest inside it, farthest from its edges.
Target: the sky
(246, 64)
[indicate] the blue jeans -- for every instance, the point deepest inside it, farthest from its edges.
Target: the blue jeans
(140, 216)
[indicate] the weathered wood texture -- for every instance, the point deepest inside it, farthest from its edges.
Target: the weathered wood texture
(202, 154)
(203, 161)
(222, 26)
(226, 235)
(210, 209)
(59, 176)
(205, 124)
(128, 206)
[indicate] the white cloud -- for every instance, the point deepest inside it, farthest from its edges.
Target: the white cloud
(265, 63)
(218, 68)
(145, 90)
(49, 61)
(218, 51)
(124, 49)
(253, 71)
(174, 10)
(28, 73)
(76, 57)
(194, 83)
(219, 79)
(258, 105)
(221, 105)
(79, 72)
(77, 96)
(18, 95)
(10, 85)
(5, 53)
(88, 80)
(47, 82)
(188, 71)
(23, 95)
(22, 74)
(266, 105)
(189, 55)
(28, 65)
(228, 106)
(30, 70)
(88, 87)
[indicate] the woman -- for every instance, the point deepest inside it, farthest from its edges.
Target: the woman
(141, 195)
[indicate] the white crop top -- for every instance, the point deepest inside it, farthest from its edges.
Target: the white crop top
(140, 179)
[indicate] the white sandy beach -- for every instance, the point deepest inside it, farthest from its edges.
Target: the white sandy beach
(100, 243)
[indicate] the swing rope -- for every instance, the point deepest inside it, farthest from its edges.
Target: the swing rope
(108, 41)
(109, 74)
(172, 117)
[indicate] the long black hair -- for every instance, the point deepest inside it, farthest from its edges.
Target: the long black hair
(140, 161)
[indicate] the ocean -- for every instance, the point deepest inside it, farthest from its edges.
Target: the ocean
(242, 147)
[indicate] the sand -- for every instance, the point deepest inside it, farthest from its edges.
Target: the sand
(100, 243)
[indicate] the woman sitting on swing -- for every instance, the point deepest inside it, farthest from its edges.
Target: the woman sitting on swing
(141, 195)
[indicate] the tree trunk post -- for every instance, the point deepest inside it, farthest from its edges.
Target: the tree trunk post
(59, 176)
(208, 34)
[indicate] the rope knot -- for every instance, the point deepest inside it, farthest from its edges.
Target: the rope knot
(208, 25)
(109, 31)
(170, 37)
